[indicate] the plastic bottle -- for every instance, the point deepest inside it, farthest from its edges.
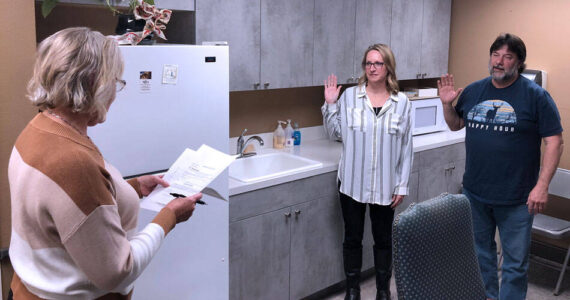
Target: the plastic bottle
(296, 135)
(279, 136)
(289, 134)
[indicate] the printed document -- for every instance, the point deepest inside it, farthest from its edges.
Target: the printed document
(191, 173)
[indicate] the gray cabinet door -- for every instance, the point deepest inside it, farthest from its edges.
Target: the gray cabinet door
(441, 170)
(316, 246)
(454, 175)
(334, 40)
(413, 193)
(406, 37)
(373, 21)
(455, 167)
(435, 38)
(420, 37)
(238, 23)
(286, 43)
(259, 256)
(433, 182)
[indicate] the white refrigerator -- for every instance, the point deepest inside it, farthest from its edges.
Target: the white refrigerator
(176, 97)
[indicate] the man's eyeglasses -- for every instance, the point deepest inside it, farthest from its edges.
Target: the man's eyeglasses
(121, 83)
(376, 65)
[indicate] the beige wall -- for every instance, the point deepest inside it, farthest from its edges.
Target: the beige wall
(18, 44)
(543, 26)
(258, 111)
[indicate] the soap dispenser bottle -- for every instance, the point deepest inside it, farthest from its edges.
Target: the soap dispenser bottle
(279, 136)
(296, 134)
(289, 134)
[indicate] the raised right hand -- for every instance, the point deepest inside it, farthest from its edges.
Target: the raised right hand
(331, 89)
(447, 92)
(184, 207)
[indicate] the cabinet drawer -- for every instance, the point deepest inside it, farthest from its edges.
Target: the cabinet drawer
(283, 195)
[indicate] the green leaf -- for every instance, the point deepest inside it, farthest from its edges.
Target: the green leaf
(114, 10)
(151, 2)
(132, 5)
(47, 6)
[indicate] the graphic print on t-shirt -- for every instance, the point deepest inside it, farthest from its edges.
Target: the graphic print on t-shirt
(495, 115)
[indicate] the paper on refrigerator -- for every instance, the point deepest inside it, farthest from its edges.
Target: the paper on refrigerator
(191, 173)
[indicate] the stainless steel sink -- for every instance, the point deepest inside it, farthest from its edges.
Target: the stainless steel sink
(271, 165)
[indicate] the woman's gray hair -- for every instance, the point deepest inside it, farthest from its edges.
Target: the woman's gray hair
(76, 68)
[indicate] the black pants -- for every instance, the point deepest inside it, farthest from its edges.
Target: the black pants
(353, 213)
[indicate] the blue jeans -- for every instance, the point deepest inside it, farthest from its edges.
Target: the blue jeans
(515, 224)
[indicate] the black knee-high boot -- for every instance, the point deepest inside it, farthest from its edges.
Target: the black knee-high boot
(352, 265)
(383, 268)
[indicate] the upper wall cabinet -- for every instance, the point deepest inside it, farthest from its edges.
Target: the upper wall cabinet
(334, 40)
(420, 37)
(169, 4)
(286, 43)
(239, 23)
(435, 38)
(270, 46)
(343, 30)
(372, 27)
(294, 43)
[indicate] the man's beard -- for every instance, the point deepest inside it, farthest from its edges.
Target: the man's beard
(507, 75)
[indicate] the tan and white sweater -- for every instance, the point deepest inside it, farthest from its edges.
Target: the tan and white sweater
(74, 219)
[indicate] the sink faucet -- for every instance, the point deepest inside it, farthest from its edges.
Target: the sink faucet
(241, 144)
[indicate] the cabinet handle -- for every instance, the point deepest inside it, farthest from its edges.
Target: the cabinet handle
(418, 76)
(424, 75)
(256, 85)
(297, 212)
(287, 215)
(266, 85)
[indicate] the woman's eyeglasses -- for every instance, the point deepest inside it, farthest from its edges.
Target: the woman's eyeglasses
(376, 65)
(121, 83)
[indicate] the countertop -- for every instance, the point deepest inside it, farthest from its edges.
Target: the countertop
(328, 153)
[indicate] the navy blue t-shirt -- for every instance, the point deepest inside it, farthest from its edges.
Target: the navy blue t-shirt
(504, 130)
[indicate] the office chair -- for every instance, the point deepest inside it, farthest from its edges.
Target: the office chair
(434, 253)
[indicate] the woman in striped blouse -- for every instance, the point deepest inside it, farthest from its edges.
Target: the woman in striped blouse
(373, 121)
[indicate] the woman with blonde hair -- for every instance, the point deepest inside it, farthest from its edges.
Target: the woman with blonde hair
(373, 121)
(74, 218)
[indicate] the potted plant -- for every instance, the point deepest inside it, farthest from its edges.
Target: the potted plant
(142, 21)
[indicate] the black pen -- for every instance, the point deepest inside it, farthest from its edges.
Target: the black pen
(182, 196)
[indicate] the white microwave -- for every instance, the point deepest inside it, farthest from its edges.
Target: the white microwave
(427, 116)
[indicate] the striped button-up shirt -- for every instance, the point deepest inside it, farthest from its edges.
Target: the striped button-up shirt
(377, 149)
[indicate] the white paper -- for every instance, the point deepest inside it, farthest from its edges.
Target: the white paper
(170, 74)
(191, 173)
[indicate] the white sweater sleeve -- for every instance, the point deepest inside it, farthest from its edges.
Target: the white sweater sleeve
(144, 246)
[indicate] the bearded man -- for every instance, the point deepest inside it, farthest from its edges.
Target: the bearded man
(506, 116)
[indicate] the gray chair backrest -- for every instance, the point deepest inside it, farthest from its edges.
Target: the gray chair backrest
(434, 253)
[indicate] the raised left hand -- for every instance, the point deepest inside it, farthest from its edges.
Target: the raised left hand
(537, 199)
(396, 200)
(149, 182)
